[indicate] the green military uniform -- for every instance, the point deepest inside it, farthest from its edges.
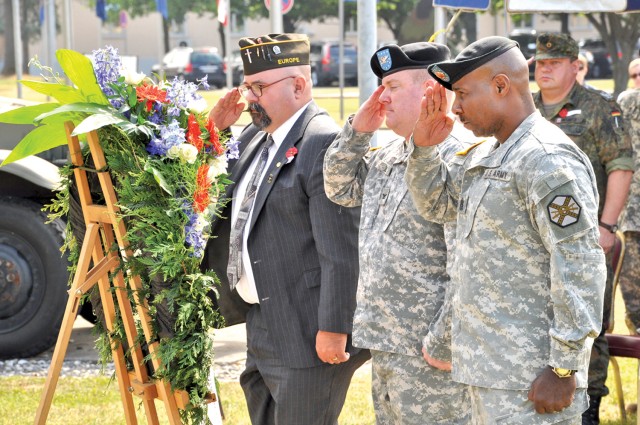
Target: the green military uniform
(630, 219)
(592, 119)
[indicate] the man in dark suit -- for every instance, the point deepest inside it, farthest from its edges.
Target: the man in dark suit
(286, 255)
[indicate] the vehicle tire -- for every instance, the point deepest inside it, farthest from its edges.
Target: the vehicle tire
(33, 278)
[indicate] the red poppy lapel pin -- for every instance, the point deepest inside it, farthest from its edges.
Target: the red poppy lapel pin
(291, 154)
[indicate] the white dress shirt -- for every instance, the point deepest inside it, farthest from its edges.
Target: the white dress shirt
(246, 284)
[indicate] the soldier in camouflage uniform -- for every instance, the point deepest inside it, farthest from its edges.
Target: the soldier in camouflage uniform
(403, 257)
(592, 119)
(529, 273)
(630, 221)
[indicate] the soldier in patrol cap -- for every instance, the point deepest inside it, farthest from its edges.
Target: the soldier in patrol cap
(629, 101)
(403, 257)
(528, 275)
(592, 119)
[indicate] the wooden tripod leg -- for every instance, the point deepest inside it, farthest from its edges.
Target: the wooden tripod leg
(71, 311)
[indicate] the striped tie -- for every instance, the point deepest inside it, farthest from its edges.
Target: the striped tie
(234, 268)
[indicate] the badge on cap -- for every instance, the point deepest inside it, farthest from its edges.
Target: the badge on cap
(440, 73)
(564, 210)
(384, 59)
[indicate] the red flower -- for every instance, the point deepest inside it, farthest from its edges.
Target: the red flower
(150, 94)
(214, 139)
(201, 198)
(291, 153)
(563, 113)
(194, 133)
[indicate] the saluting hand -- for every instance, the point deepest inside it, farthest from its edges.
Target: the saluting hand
(227, 110)
(434, 125)
(551, 394)
(371, 114)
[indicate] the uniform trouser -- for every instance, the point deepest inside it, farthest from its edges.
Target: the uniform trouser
(277, 394)
(511, 407)
(407, 391)
(630, 278)
(599, 360)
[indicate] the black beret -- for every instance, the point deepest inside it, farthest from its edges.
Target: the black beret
(471, 58)
(392, 58)
(273, 51)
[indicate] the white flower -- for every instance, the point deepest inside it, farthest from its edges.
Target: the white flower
(200, 223)
(173, 152)
(132, 77)
(217, 166)
(197, 105)
(188, 153)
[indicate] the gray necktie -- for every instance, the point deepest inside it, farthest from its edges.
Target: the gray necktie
(234, 268)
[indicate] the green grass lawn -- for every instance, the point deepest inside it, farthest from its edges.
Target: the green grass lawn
(97, 401)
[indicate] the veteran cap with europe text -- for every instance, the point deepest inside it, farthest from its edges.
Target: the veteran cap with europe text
(393, 58)
(471, 58)
(552, 46)
(273, 51)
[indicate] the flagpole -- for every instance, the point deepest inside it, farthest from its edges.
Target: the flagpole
(17, 44)
(227, 42)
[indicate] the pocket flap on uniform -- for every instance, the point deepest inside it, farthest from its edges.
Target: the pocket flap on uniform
(550, 182)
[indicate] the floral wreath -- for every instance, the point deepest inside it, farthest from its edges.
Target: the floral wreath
(169, 166)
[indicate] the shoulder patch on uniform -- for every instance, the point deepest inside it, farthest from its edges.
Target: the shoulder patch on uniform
(564, 210)
(470, 148)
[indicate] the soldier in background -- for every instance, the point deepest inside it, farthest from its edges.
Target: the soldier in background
(529, 274)
(629, 101)
(593, 121)
(403, 257)
(583, 69)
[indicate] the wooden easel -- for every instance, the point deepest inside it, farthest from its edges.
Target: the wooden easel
(103, 229)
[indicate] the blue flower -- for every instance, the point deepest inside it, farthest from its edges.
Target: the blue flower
(170, 135)
(179, 94)
(107, 70)
(233, 148)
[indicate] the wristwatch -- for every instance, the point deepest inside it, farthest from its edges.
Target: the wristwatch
(563, 373)
(610, 227)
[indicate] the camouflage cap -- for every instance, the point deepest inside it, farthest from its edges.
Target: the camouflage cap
(393, 58)
(550, 46)
(273, 51)
(471, 58)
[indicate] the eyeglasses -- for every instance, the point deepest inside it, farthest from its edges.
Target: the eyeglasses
(257, 88)
(634, 76)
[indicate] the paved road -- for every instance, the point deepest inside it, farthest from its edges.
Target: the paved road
(229, 344)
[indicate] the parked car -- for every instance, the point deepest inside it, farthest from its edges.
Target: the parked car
(324, 60)
(526, 38)
(193, 64)
(598, 57)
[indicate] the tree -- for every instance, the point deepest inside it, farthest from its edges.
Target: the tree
(177, 10)
(30, 31)
(620, 33)
(302, 11)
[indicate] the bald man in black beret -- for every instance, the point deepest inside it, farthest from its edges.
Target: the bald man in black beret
(529, 273)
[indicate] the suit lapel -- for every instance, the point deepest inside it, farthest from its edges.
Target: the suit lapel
(293, 137)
